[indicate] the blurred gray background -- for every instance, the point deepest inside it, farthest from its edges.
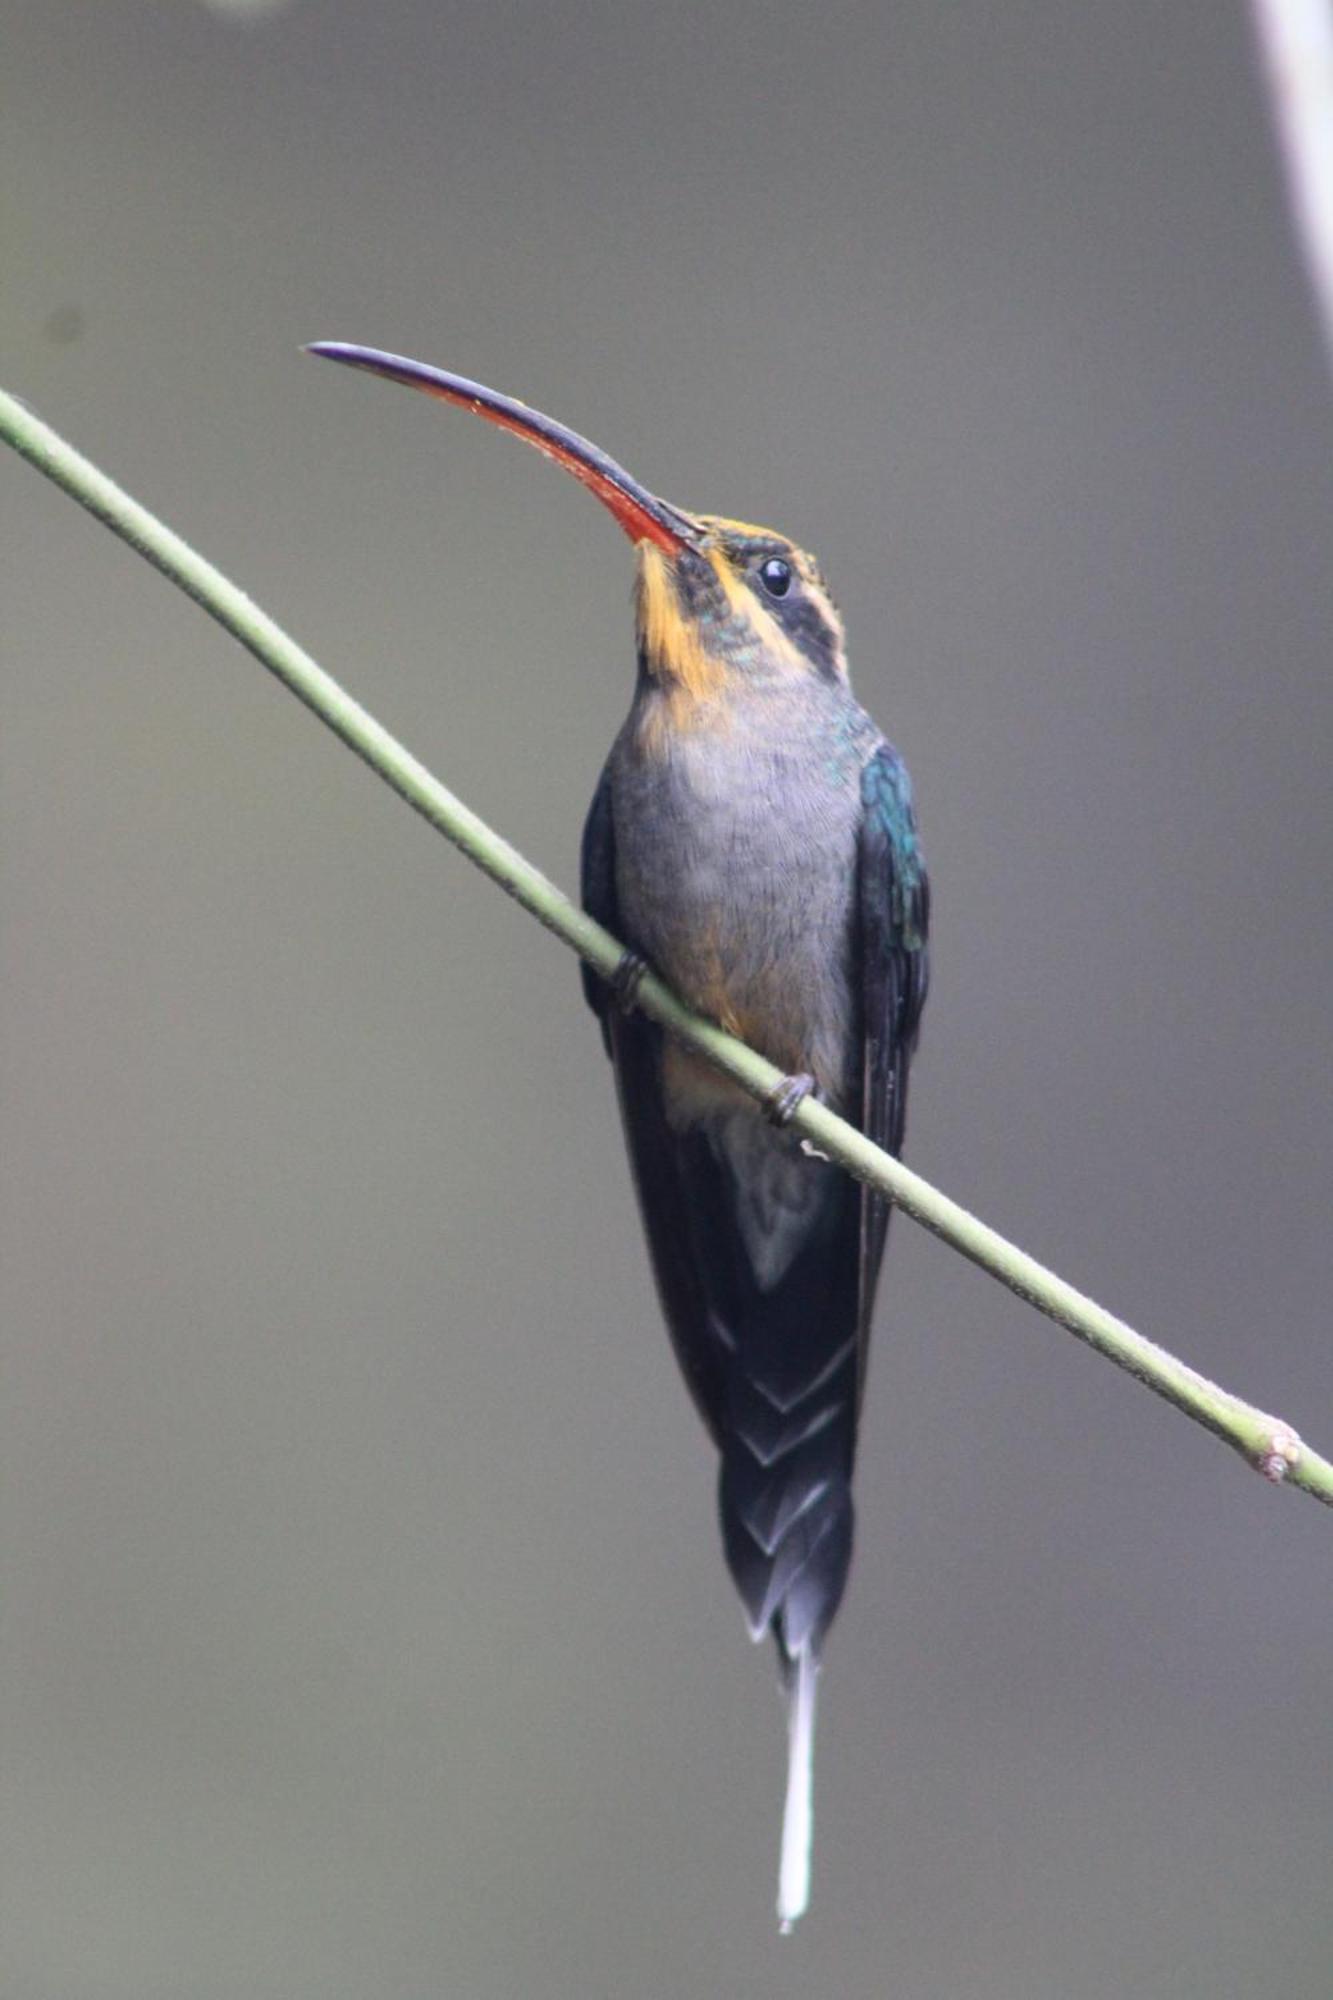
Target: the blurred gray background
(368, 1633)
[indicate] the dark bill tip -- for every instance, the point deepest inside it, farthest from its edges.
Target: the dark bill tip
(640, 513)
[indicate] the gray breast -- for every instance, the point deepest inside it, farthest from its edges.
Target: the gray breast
(736, 870)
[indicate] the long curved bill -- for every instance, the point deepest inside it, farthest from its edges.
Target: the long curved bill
(640, 513)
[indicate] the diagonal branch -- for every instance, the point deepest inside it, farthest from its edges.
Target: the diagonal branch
(1271, 1446)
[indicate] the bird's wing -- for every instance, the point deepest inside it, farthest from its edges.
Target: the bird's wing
(894, 912)
(597, 890)
(674, 1174)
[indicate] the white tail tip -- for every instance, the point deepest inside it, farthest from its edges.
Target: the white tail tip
(798, 1815)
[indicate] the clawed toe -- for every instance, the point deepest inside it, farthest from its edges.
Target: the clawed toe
(626, 980)
(786, 1098)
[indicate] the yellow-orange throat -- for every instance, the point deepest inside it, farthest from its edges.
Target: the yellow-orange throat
(674, 652)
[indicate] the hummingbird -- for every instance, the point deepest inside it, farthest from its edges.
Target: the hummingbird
(753, 839)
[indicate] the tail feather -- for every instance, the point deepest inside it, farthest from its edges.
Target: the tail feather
(787, 1528)
(757, 1250)
(787, 1436)
(798, 1813)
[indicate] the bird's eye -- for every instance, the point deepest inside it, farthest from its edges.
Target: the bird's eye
(775, 575)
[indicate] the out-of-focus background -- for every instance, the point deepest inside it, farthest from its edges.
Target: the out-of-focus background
(367, 1629)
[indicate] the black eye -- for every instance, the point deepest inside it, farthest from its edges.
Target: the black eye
(775, 575)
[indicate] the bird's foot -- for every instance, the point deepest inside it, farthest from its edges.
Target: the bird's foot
(786, 1098)
(1283, 1453)
(626, 980)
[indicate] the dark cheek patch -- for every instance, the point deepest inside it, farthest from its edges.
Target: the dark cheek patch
(809, 631)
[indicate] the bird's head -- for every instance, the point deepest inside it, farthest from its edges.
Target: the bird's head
(718, 603)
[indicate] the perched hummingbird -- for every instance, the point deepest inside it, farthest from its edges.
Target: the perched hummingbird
(752, 838)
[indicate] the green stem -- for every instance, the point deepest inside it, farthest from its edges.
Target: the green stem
(1267, 1443)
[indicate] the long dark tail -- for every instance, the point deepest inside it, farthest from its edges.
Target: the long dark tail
(757, 1252)
(785, 1501)
(786, 1506)
(785, 1482)
(782, 1254)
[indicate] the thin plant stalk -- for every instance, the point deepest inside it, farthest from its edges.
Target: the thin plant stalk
(1267, 1443)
